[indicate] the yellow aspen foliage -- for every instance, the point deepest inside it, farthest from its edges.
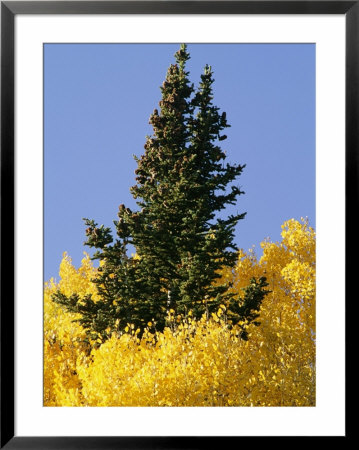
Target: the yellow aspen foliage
(77, 280)
(284, 343)
(64, 338)
(196, 362)
(192, 366)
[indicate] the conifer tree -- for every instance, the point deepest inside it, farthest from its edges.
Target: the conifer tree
(182, 184)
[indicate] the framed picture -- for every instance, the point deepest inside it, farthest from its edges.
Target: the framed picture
(217, 341)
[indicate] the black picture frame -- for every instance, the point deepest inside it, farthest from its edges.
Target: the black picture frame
(9, 9)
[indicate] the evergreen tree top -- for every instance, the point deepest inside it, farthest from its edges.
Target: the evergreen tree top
(182, 183)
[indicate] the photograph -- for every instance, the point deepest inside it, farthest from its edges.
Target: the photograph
(179, 224)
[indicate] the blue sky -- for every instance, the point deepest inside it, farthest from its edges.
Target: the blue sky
(97, 102)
